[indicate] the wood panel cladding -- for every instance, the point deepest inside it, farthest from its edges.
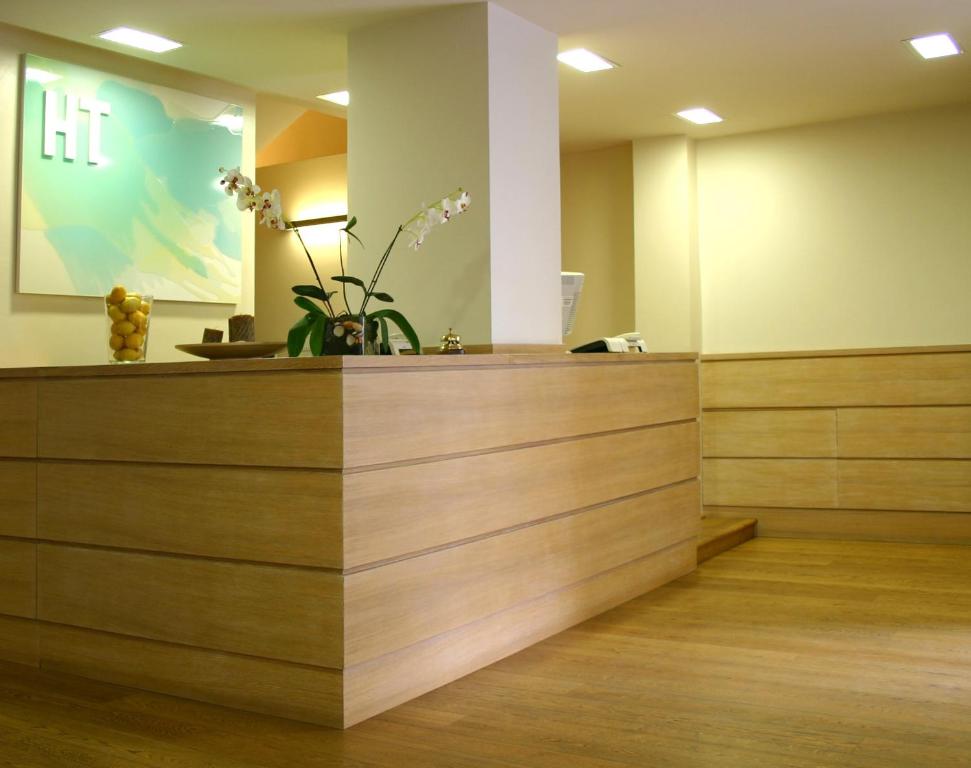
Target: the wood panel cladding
(899, 448)
(267, 515)
(289, 614)
(434, 413)
(18, 418)
(18, 498)
(245, 682)
(905, 433)
(19, 641)
(770, 482)
(395, 511)
(375, 686)
(871, 380)
(18, 583)
(323, 539)
(402, 603)
(284, 420)
(764, 434)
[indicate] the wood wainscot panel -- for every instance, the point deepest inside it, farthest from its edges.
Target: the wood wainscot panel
(18, 498)
(931, 485)
(18, 578)
(379, 684)
(18, 418)
(250, 419)
(770, 482)
(855, 524)
(269, 515)
(396, 605)
(292, 614)
(766, 434)
(916, 379)
(400, 510)
(906, 433)
(259, 685)
(428, 413)
(18, 641)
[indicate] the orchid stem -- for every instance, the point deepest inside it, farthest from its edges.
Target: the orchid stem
(380, 268)
(314, 268)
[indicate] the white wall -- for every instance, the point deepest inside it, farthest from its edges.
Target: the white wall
(59, 330)
(847, 234)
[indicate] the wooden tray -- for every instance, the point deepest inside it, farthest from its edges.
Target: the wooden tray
(232, 350)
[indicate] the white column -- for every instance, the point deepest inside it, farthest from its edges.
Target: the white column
(462, 96)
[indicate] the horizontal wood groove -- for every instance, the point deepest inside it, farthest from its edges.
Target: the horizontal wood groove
(736, 457)
(171, 555)
(513, 528)
(743, 408)
(835, 510)
(179, 464)
(813, 353)
(512, 447)
(175, 644)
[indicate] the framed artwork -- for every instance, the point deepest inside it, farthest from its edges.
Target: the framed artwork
(119, 184)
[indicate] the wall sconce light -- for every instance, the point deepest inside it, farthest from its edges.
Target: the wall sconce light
(315, 222)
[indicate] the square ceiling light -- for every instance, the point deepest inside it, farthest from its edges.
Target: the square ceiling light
(584, 60)
(137, 39)
(699, 116)
(935, 46)
(337, 97)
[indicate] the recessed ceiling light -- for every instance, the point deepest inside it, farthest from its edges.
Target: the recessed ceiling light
(935, 46)
(584, 60)
(144, 40)
(337, 97)
(699, 115)
(41, 76)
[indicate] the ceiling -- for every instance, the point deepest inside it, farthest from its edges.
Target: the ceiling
(759, 63)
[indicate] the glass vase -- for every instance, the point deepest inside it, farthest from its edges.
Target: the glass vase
(128, 319)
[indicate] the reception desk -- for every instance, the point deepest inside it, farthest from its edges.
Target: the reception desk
(323, 539)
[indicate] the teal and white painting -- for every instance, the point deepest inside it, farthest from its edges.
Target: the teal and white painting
(120, 185)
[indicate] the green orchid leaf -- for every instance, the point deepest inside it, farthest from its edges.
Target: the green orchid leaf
(317, 328)
(399, 319)
(385, 346)
(348, 279)
(313, 291)
(351, 223)
(298, 335)
(382, 296)
(304, 303)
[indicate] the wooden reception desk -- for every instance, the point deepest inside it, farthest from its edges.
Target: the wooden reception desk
(322, 539)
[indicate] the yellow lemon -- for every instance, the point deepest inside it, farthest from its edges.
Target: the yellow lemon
(131, 304)
(117, 295)
(145, 308)
(137, 318)
(134, 341)
(116, 342)
(115, 313)
(122, 328)
(128, 355)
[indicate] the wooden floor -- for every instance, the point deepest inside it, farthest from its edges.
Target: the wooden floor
(778, 653)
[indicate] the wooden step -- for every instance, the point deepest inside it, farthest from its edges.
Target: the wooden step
(719, 534)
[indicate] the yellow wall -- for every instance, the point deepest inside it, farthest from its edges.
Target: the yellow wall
(667, 298)
(309, 189)
(311, 135)
(598, 239)
(847, 234)
(63, 330)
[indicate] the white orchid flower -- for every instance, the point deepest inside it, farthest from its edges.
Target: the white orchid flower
(248, 195)
(462, 201)
(231, 180)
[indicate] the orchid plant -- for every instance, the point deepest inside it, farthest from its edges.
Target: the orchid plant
(322, 322)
